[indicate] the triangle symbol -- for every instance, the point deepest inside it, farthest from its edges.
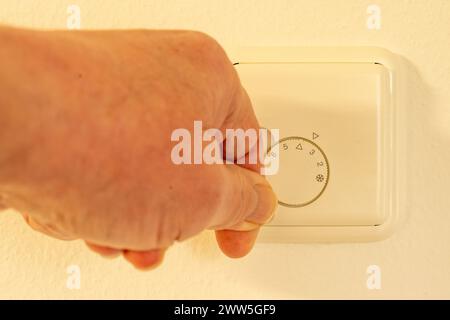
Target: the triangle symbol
(315, 135)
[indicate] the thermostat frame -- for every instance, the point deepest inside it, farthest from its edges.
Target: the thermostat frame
(394, 153)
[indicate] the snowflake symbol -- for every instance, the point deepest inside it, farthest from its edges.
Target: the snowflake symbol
(320, 178)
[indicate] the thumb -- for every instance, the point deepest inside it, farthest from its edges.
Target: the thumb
(248, 200)
(248, 203)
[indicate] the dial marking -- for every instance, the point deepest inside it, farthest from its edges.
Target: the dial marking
(303, 177)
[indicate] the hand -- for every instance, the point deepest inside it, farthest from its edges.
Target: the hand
(88, 118)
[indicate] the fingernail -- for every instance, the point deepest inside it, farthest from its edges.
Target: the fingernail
(266, 205)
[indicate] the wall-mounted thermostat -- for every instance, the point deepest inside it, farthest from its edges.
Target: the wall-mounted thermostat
(341, 146)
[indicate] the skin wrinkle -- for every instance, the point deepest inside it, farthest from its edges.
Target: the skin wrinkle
(248, 208)
(46, 221)
(56, 230)
(170, 206)
(165, 234)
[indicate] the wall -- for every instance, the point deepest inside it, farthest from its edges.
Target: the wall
(415, 262)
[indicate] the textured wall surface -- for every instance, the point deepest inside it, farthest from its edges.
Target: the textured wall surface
(415, 261)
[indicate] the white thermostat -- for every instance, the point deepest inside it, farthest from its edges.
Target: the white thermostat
(341, 149)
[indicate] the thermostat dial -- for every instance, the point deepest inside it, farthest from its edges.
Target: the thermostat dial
(303, 171)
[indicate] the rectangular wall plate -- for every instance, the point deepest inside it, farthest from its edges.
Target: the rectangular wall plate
(341, 147)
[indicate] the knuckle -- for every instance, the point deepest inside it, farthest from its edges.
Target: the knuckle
(206, 44)
(211, 55)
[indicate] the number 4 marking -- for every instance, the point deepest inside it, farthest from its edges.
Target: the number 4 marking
(299, 147)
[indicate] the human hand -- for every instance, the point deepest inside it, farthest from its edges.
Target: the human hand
(87, 119)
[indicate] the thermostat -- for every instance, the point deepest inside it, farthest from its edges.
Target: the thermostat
(339, 112)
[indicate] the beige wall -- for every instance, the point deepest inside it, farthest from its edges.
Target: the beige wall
(414, 262)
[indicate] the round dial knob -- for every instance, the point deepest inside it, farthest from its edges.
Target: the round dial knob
(303, 171)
